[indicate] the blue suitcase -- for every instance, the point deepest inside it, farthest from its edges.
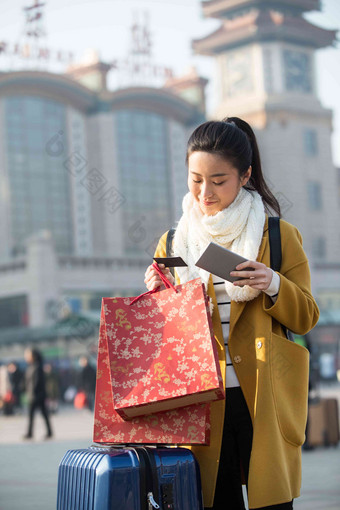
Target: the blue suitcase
(129, 478)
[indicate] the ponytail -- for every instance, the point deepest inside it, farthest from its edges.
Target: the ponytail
(256, 181)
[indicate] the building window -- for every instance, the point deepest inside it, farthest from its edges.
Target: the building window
(13, 312)
(268, 70)
(310, 142)
(144, 176)
(297, 70)
(88, 300)
(319, 248)
(37, 176)
(314, 196)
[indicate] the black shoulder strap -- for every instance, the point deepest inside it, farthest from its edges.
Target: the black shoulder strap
(169, 240)
(275, 243)
(276, 255)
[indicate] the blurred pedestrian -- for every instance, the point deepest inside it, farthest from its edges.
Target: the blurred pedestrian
(52, 388)
(16, 379)
(87, 381)
(36, 390)
(6, 395)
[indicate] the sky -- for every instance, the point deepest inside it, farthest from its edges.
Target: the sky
(79, 25)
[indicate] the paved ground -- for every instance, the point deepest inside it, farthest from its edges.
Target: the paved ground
(28, 470)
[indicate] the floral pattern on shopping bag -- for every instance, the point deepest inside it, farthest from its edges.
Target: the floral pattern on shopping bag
(187, 425)
(162, 350)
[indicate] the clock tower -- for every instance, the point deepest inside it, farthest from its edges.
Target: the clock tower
(265, 73)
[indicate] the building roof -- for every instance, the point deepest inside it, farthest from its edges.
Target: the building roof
(79, 326)
(226, 8)
(161, 101)
(51, 85)
(257, 25)
(192, 78)
(66, 90)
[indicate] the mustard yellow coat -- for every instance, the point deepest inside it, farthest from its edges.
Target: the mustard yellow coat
(273, 374)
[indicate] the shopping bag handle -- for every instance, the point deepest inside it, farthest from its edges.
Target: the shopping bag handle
(164, 279)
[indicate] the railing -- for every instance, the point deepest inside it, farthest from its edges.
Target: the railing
(72, 262)
(12, 265)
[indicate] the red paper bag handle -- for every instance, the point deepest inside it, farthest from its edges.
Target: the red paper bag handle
(164, 279)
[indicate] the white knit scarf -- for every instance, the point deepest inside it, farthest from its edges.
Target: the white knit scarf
(239, 228)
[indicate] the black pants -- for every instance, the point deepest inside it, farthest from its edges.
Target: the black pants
(235, 455)
(33, 406)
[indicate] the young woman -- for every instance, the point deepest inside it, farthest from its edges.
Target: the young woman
(257, 432)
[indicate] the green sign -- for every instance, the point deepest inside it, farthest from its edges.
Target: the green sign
(53, 352)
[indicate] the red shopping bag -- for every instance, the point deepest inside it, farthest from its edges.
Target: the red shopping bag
(162, 352)
(9, 397)
(187, 425)
(80, 400)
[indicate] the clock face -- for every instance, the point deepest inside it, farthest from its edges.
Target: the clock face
(239, 73)
(297, 71)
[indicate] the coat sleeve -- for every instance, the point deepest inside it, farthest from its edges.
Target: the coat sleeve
(295, 307)
(161, 246)
(161, 252)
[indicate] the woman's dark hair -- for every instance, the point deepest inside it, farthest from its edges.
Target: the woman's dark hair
(37, 356)
(234, 140)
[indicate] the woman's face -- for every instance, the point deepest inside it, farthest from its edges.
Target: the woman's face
(213, 181)
(28, 356)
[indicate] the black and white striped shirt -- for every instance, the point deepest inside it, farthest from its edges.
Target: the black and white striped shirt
(223, 301)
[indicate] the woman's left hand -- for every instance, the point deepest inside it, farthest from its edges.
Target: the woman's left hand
(260, 278)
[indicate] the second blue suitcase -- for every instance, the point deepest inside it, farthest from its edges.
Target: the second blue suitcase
(129, 478)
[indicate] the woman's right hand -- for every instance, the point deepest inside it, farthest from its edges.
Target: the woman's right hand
(152, 278)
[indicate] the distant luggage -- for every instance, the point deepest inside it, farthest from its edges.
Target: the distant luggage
(331, 421)
(129, 478)
(316, 424)
(323, 423)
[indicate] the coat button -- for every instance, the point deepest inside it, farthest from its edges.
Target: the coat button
(237, 359)
(259, 345)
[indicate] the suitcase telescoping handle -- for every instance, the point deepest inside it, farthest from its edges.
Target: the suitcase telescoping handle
(151, 502)
(164, 279)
